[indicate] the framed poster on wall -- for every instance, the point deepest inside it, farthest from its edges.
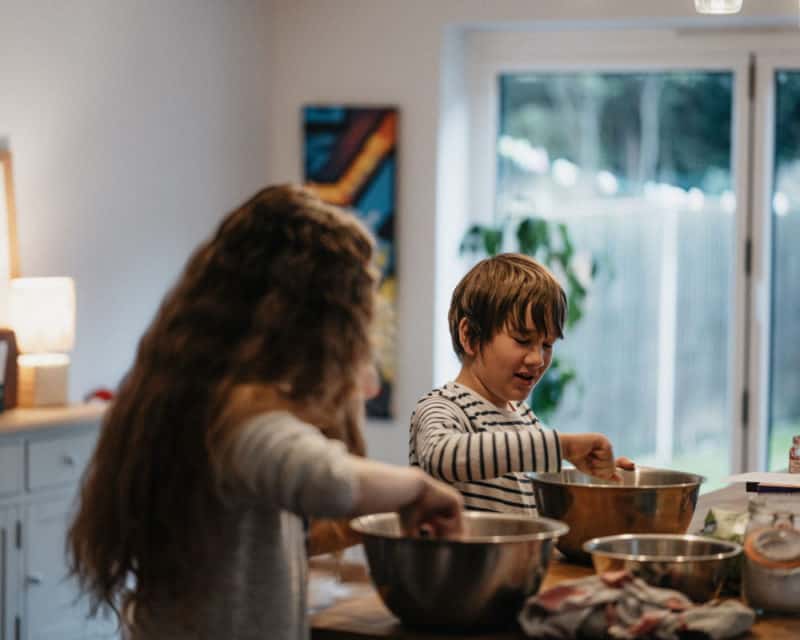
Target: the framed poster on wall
(350, 160)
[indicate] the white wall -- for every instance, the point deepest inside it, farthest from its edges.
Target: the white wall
(391, 52)
(135, 125)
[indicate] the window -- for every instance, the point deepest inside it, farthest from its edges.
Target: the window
(784, 400)
(638, 167)
(660, 166)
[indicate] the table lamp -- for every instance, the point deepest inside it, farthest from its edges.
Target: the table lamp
(42, 314)
(718, 6)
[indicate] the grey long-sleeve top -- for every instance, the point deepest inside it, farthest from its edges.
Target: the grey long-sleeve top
(256, 587)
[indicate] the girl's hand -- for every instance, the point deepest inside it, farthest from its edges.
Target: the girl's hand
(592, 453)
(436, 510)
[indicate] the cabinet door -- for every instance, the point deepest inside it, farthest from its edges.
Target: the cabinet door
(53, 608)
(9, 573)
(11, 457)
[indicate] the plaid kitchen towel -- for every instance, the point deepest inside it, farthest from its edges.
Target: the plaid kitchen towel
(618, 605)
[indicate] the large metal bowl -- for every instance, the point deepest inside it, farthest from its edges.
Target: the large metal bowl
(645, 501)
(480, 579)
(693, 565)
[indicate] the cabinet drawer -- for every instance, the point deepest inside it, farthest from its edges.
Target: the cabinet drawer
(10, 468)
(58, 461)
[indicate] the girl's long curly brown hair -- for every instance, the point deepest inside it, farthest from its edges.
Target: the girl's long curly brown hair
(280, 297)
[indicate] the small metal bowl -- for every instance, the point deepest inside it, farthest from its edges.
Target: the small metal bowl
(693, 565)
(480, 579)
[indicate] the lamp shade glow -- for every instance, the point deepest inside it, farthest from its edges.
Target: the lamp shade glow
(718, 6)
(43, 314)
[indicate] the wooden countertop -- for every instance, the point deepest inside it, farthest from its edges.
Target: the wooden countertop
(24, 420)
(362, 616)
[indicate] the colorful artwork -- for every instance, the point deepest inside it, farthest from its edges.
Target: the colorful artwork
(351, 161)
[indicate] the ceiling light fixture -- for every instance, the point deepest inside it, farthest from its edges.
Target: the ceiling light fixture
(718, 6)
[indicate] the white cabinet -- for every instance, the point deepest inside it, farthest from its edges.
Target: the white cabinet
(9, 573)
(11, 468)
(50, 607)
(42, 456)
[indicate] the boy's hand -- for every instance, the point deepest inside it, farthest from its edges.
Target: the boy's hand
(626, 463)
(592, 453)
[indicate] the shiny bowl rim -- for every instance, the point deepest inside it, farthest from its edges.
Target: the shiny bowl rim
(591, 547)
(558, 529)
(544, 478)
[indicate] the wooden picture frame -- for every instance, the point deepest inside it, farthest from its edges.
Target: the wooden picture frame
(8, 369)
(9, 254)
(9, 268)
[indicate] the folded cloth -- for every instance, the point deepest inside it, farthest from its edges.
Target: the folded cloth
(618, 605)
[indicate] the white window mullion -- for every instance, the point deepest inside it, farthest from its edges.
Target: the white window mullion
(667, 338)
(743, 427)
(760, 311)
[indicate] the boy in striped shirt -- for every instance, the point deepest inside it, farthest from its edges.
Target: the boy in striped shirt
(477, 432)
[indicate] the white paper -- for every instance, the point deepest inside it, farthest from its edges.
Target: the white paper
(767, 477)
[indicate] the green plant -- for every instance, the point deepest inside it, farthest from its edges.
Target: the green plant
(550, 244)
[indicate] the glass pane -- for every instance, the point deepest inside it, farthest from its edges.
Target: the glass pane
(637, 167)
(785, 357)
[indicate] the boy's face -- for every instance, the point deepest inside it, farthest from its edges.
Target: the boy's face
(509, 366)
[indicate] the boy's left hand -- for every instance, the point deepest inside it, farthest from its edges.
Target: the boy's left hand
(592, 453)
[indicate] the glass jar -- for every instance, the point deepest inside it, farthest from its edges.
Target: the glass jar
(771, 571)
(794, 456)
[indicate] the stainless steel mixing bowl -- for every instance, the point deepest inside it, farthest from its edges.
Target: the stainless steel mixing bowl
(693, 565)
(480, 579)
(645, 501)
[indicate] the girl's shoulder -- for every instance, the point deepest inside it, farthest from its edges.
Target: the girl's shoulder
(277, 420)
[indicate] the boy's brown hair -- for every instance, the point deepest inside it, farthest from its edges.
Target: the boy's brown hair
(498, 292)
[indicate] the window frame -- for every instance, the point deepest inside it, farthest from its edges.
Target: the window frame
(760, 311)
(492, 53)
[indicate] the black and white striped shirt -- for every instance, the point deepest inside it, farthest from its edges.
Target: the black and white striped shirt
(462, 438)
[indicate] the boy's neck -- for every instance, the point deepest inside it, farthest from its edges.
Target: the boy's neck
(466, 378)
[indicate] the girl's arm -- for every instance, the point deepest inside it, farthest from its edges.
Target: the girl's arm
(420, 499)
(279, 460)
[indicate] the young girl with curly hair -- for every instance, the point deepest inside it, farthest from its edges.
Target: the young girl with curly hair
(221, 442)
